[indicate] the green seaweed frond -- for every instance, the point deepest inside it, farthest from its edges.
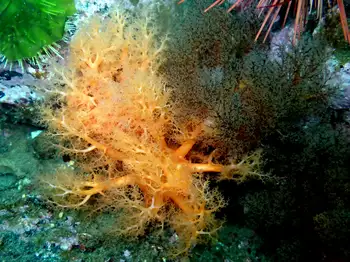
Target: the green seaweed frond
(31, 28)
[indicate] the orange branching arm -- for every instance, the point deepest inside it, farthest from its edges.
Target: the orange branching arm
(183, 150)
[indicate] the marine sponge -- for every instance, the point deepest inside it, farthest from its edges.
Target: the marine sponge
(30, 28)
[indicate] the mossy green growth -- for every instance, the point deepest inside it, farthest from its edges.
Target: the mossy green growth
(30, 27)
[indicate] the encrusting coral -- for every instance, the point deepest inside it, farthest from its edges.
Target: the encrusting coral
(112, 113)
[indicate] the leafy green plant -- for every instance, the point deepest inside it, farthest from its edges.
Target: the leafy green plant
(30, 28)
